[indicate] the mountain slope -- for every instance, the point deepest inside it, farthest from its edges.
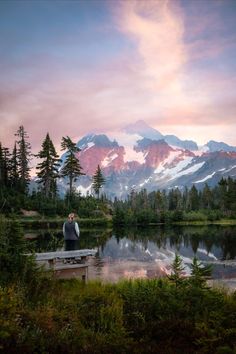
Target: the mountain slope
(145, 131)
(140, 157)
(219, 146)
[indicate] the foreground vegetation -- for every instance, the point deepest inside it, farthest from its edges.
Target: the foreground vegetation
(39, 314)
(142, 316)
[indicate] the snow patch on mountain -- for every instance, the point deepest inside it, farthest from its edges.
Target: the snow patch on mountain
(132, 155)
(129, 142)
(173, 172)
(145, 181)
(231, 168)
(189, 170)
(89, 145)
(124, 139)
(172, 156)
(108, 159)
(203, 149)
(84, 190)
(205, 178)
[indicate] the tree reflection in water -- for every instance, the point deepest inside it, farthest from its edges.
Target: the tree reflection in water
(149, 250)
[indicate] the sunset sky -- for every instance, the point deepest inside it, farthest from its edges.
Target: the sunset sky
(74, 67)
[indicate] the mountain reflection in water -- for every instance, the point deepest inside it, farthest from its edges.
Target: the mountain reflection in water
(149, 252)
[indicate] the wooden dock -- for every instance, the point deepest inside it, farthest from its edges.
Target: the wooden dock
(67, 264)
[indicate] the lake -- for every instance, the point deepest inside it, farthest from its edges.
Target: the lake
(148, 252)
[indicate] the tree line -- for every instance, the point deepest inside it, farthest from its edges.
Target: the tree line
(15, 171)
(189, 204)
(140, 207)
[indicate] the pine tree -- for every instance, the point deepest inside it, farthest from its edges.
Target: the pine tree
(23, 156)
(7, 159)
(193, 198)
(199, 273)
(15, 266)
(231, 195)
(223, 188)
(132, 198)
(177, 271)
(1, 165)
(98, 181)
(71, 168)
(207, 199)
(4, 166)
(48, 168)
(14, 175)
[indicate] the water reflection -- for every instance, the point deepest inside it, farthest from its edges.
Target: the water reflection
(139, 252)
(45, 240)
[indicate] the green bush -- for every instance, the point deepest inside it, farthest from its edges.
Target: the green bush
(15, 265)
(194, 216)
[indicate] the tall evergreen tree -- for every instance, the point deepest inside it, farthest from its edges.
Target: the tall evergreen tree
(98, 181)
(199, 273)
(48, 168)
(1, 165)
(132, 198)
(23, 156)
(71, 168)
(193, 198)
(175, 199)
(14, 175)
(223, 189)
(207, 200)
(4, 166)
(231, 194)
(7, 159)
(177, 271)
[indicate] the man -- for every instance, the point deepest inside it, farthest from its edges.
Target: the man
(71, 233)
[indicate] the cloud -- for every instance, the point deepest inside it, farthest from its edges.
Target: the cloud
(157, 28)
(156, 76)
(181, 93)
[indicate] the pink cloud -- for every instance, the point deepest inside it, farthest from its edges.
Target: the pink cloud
(153, 81)
(157, 29)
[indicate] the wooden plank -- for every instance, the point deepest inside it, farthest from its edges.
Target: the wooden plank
(78, 271)
(70, 266)
(46, 256)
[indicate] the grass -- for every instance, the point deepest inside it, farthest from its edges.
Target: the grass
(57, 222)
(206, 222)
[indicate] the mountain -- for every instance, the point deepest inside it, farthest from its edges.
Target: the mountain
(185, 144)
(219, 146)
(140, 157)
(141, 128)
(144, 130)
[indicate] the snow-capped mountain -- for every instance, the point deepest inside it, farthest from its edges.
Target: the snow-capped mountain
(141, 157)
(144, 130)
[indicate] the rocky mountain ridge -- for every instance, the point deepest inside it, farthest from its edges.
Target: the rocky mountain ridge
(140, 157)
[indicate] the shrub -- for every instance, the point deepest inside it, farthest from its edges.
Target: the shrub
(15, 265)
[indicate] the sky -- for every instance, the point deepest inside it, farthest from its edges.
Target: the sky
(71, 67)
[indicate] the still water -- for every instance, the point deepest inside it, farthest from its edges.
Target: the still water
(148, 252)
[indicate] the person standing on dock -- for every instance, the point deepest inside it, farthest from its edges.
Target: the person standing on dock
(71, 233)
